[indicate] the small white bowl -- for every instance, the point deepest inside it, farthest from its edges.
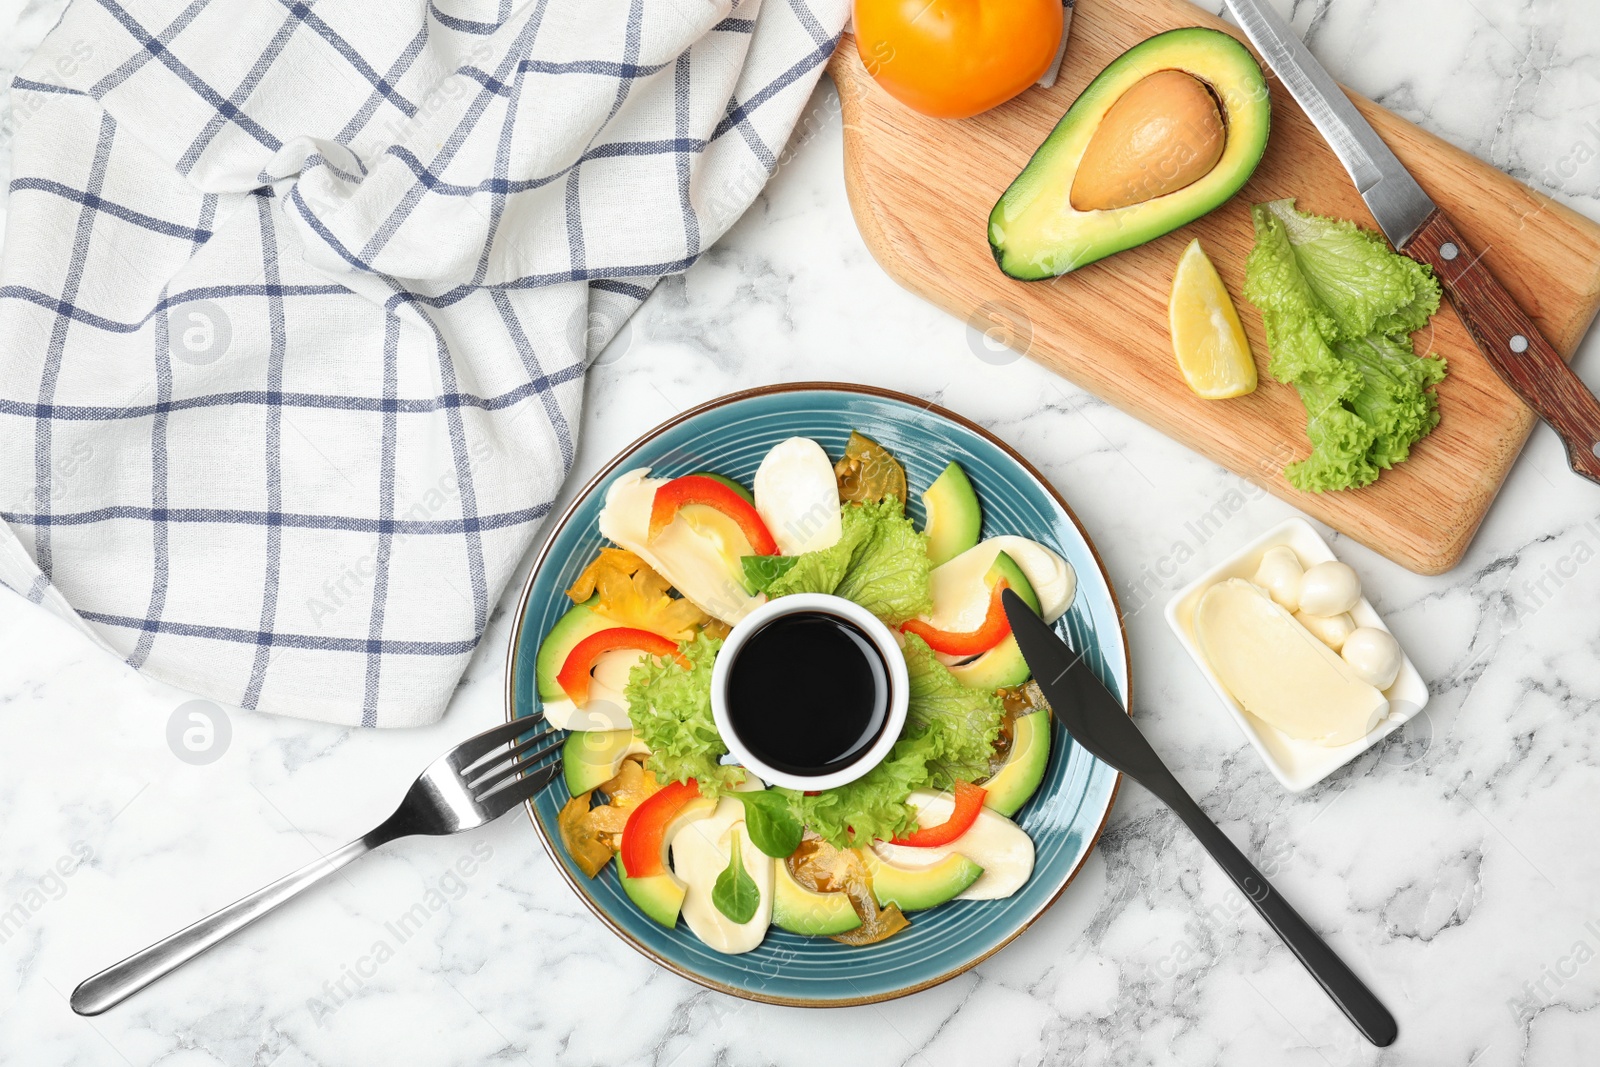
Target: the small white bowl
(1296, 763)
(881, 637)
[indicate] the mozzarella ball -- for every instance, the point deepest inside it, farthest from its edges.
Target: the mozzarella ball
(1330, 588)
(1279, 574)
(1331, 630)
(1374, 655)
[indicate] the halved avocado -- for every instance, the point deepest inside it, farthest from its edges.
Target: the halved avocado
(590, 757)
(1003, 664)
(800, 911)
(579, 622)
(955, 521)
(1017, 779)
(919, 888)
(1190, 130)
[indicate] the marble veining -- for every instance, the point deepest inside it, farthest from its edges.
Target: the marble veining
(1455, 864)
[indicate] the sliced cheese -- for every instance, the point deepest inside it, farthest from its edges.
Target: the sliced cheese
(607, 707)
(961, 599)
(797, 496)
(698, 565)
(1001, 847)
(1279, 671)
(700, 852)
(563, 714)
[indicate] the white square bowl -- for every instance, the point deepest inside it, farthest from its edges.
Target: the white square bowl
(1297, 764)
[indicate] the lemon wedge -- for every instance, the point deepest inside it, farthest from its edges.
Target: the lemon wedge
(1207, 337)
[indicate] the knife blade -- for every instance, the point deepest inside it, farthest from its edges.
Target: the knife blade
(1524, 359)
(1097, 720)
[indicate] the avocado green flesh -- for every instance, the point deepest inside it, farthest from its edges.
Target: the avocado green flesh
(997, 668)
(1003, 664)
(1005, 567)
(800, 911)
(659, 896)
(1018, 779)
(737, 487)
(955, 521)
(1034, 231)
(579, 622)
(920, 888)
(591, 757)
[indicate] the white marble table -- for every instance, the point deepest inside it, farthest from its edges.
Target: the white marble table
(1458, 866)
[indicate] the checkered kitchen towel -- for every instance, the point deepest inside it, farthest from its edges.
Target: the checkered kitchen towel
(297, 295)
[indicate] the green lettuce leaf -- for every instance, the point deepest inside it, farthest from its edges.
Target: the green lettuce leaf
(1349, 272)
(1340, 441)
(1395, 398)
(880, 562)
(968, 720)
(873, 806)
(822, 571)
(761, 571)
(670, 706)
(1338, 307)
(888, 572)
(1272, 278)
(1300, 354)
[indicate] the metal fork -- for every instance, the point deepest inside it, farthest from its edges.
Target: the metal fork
(474, 783)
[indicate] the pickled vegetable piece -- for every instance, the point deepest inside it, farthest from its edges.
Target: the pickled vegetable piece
(633, 594)
(867, 473)
(821, 868)
(588, 845)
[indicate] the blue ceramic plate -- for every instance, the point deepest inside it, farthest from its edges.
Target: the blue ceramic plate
(1064, 817)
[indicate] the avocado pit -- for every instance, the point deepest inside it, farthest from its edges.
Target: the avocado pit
(1168, 131)
(1165, 133)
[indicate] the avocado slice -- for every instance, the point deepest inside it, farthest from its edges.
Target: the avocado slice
(1018, 778)
(660, 896)
(737, 487)
(579, 622)
(590, 757)
(919, 888)
(1035, 231)
(955, 520)
(1005, 568)
(800, 911)
(1003, 664)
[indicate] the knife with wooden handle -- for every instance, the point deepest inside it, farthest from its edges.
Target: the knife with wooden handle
(1519, 353)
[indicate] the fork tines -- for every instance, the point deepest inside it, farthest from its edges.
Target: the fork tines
(501, 768)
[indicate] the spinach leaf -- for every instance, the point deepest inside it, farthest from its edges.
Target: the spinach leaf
(772, 824)
(735, 893)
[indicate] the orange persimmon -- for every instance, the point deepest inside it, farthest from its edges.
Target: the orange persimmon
(954, 58)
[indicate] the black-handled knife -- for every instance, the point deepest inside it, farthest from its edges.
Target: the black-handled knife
(1097, 721)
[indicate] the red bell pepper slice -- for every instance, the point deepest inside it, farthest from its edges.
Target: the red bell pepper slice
(993, 630)
(644, 844)
(969, 804)
(573, 677)
(699, 489)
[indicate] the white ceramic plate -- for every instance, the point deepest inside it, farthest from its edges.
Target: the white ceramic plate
(1297, 764)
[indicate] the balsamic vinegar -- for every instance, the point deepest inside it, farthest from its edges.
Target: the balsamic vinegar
(808, 693)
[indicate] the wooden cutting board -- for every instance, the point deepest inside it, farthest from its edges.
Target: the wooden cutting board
(921, 190)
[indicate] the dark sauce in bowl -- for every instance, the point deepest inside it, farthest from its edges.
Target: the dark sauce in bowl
(808, 693)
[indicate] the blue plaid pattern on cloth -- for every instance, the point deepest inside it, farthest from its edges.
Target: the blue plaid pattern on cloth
(297, 297)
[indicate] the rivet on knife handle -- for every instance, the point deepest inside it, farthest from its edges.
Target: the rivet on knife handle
(1516, 349)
